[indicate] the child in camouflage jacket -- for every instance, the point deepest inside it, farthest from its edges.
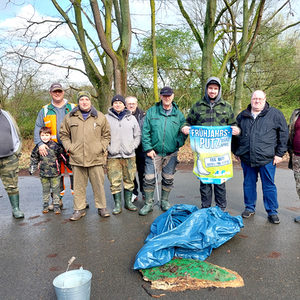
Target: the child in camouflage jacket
(49, 167)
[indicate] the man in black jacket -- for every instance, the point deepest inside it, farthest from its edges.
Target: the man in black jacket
(132, 105)
(260, 146)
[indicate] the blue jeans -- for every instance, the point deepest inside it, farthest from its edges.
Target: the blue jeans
(166, 165)
(267, 175)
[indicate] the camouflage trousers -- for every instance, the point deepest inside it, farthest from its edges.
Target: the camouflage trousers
(296, 169)
(119, 169)
(9, 169)
(51, 184)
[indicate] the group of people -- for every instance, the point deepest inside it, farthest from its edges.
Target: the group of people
(81, 140)
(85, 141)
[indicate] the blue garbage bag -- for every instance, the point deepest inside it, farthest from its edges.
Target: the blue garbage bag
(188, 232)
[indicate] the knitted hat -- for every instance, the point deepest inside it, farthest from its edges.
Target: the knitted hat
(118, 98)
(84, 94)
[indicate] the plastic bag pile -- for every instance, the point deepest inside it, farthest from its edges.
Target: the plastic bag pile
(188, 232)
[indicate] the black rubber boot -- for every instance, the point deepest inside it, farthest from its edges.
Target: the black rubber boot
(127, 199)
(148, 207)
(14, 201)
(118, 199)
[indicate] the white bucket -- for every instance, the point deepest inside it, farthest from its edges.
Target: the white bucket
(73, 285)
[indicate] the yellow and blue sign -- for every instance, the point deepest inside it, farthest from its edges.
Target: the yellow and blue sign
(212, 149)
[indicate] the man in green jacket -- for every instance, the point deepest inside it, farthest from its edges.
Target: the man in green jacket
(161, 139)
(85, 134)
(212, 110)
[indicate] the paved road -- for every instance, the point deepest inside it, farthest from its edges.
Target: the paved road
(35, 250)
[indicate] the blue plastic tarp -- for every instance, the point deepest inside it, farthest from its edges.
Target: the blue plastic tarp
(188, 232)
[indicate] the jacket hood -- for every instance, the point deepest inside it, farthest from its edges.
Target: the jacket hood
(209, 80)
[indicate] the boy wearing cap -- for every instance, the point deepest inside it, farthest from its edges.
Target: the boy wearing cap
(85, 134)
(212, 110)
(51, 116)
(121, 165)
(161, 139)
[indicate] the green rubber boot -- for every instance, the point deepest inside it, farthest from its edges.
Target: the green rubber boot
(165, 204)
(118, 199)
(14, 201)
(148, 207)
(127, 199)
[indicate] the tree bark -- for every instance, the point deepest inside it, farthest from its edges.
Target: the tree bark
(154, 56)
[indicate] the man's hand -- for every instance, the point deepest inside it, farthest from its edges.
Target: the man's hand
(43, 150)
(151, 154)
(185, 130)
(237, 158)
(277, 160)
(235, 130)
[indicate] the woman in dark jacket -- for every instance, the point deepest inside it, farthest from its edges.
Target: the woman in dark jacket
(294, 150)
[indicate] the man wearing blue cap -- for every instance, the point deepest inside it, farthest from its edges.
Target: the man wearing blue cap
(161, 139)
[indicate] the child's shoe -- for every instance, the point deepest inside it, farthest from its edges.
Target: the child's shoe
(45, 208)
(56, 209)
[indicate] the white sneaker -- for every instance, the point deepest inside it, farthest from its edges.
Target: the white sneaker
(134, 197)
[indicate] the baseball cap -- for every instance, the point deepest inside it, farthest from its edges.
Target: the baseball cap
(56, 87)
(166, 91)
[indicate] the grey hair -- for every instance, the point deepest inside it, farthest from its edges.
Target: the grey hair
(265, 96)
(131, 97)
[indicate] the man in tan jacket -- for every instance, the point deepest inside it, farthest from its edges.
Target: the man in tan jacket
(85, 134)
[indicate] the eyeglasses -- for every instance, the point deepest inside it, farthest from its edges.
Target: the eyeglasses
(131, 104)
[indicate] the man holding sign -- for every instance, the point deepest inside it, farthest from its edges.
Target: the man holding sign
(212, 110)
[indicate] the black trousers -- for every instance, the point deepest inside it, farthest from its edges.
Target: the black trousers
(206, 195)
(140, 167)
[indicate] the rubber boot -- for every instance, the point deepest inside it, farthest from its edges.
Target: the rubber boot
(164, 204)
(14, 201)
(148, 207)
(118, 199)
(127, 199)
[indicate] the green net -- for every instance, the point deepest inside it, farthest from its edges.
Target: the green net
(188, 267)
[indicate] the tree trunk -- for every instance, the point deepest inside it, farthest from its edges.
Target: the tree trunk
(154, 56)
(208, 45)
(239, 88)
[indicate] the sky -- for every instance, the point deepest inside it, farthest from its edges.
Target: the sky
(16, 15)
